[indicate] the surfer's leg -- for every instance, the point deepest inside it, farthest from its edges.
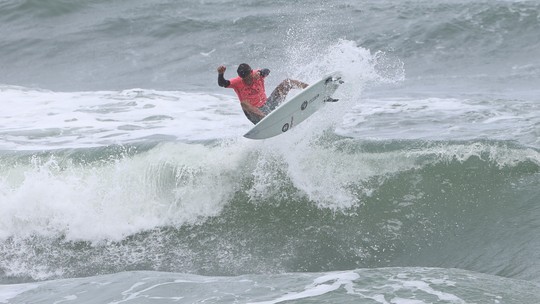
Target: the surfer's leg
(253, 117)
(280, 92)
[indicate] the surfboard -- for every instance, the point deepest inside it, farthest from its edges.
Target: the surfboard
(298, 109)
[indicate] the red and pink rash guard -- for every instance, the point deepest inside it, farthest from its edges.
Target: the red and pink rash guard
(254, 93)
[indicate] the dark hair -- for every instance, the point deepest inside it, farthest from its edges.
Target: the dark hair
(244, 70)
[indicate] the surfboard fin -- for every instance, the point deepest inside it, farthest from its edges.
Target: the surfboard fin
(334, 79)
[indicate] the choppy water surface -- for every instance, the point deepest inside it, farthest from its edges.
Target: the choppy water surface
(124, 176)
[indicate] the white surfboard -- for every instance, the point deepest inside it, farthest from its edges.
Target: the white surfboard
(296, 110)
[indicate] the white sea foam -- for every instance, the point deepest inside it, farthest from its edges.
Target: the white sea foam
(39, 119)
(320, 286)
(168, 186)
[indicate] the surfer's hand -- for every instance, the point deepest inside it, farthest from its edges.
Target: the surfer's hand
(221, 69)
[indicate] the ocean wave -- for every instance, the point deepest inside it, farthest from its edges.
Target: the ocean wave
(230, 208)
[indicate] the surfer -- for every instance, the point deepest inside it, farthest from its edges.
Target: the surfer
(249, 86)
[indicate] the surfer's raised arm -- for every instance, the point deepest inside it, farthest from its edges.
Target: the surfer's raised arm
(222, 82)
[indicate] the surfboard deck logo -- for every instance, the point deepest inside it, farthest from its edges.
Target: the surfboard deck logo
(298, 109)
